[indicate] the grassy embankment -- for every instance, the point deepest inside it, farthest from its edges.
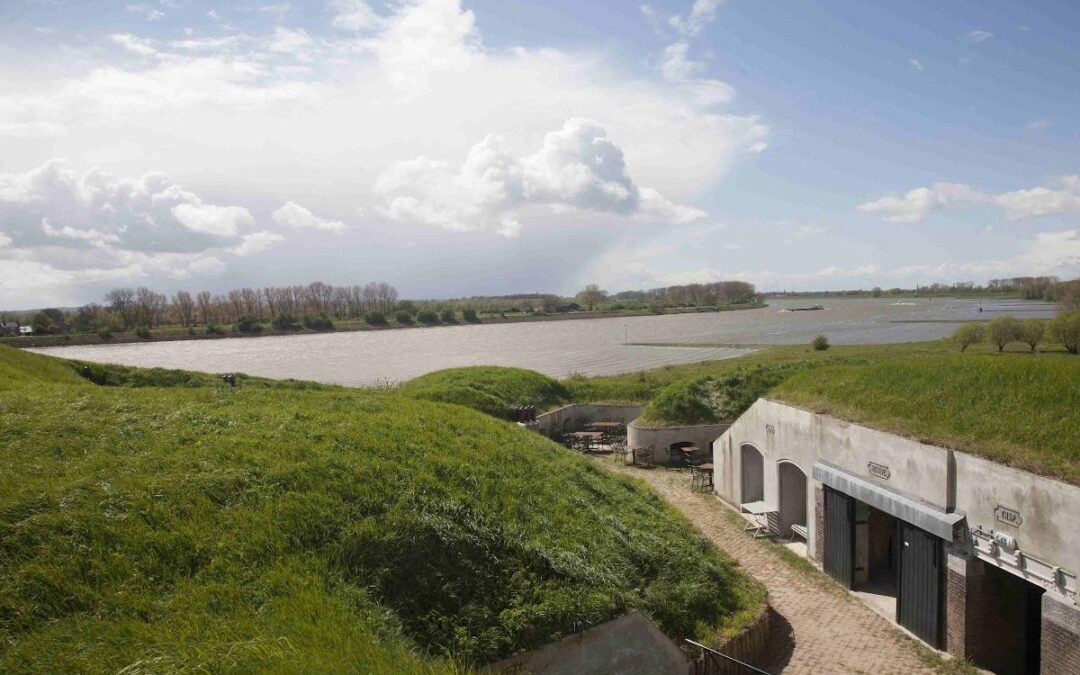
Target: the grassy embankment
(1016, 408)
(173, 523)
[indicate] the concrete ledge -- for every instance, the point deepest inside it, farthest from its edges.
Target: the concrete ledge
(936, 522)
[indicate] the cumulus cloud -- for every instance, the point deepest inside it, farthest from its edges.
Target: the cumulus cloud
(1063, 196)
(577, 167)
(293, 215)
(256, 242)
(353, 15)
(221, 221)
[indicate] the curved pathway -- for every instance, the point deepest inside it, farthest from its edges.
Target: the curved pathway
(817, 627)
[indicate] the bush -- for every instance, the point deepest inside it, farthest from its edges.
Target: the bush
(1002, 331)
(212, 329)
(320, 322)
(1031, 333)
(1065, 328)
(447, 316)
(820, 343)
(105, 334)
(143, 332)
(969, 334)
(427, 317)
(247, 325)
(469, 314)
(285, 322)
(375, 319)
(407, 306)
(403, 317)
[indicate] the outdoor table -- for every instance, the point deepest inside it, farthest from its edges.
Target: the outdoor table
(702, 476)
(688, 453)
(759, 512)
(587, 438)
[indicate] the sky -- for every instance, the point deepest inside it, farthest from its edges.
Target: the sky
(460, 147)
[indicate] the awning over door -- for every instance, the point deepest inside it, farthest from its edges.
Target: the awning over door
(935, 522)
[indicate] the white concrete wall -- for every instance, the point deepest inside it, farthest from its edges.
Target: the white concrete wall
(575, 416)
(940, 478)
(662, 438)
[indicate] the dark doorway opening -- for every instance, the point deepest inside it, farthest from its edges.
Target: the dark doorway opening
(876, 557)
(1008, 630)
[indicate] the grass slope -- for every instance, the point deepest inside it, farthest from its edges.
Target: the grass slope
(285, 529)
(489, 389)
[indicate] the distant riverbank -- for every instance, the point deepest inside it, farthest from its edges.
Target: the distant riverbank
(173, 333)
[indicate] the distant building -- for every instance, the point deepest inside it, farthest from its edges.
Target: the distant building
(572, 307)
(26, 330)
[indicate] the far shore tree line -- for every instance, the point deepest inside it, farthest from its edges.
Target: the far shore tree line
(316, 306)
(1049, 288)
(1000, 332)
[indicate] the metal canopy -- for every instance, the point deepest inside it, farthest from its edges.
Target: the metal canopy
(935, 522)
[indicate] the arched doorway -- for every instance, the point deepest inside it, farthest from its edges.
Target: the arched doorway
(792, 496)
(753, 474)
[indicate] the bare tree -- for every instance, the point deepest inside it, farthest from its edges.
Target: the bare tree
(184, 308)
(150, 306)
(122, 302)
(206, 306)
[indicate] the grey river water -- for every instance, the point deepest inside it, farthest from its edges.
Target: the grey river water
(557, 348)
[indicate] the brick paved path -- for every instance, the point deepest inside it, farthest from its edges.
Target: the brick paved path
(817, 627)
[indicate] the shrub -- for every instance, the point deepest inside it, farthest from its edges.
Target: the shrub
(469, 314)
(143, 332)
(1031, 333)
(1065, 328)
(285, 322)
(1002, 331)
(246, 324)
(969, 334)
(375, 319)
(320, 322)
(403, 317)
(105, 334)
(427, 317)
(447, 316)
(407, 306)
(820, 343)
(212, 329)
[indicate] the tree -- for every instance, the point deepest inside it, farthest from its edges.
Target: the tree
(877, 292)
(1065, 328)
(820, 343)
(1031, 333)
(1002, 331)
(149, 307)
(184, 308)
(591, 296)
(206, 307)
(122, 302)
(969, 334)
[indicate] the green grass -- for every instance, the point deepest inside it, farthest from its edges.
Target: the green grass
(489, 389)
(277, 528)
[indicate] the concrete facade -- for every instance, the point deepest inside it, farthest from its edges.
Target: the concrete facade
(1011, 539)
(661, 439)
(575, 416)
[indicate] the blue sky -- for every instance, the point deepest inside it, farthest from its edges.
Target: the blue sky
(454, 147)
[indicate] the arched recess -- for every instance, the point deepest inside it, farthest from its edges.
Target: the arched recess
(792, 496)
(567, 425)
(753, 474)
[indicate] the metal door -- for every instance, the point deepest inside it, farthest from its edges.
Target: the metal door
(840, 537)
(918, 596)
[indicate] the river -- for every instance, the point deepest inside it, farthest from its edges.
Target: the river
(558, 348)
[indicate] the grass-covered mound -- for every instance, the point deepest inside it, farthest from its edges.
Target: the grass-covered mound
(687, 401)
(1017, 409)
(282, 529)
(489, 389)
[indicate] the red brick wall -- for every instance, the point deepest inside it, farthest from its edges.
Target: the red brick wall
(1060, 638)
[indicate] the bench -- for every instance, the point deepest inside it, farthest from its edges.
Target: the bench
(801, 531)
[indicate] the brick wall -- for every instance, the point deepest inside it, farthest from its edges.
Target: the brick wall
(956, 598)
(818, 552)
(1060, 638)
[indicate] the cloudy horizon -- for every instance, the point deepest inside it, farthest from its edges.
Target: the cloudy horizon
(457, 148)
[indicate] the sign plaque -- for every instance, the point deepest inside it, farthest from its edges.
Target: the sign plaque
(1008, 516)
(878, 470)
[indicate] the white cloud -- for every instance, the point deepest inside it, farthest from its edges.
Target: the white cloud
(136, 45)
(1041, 123)
(287, 41)
(916, 64)
(4, 240)
(293, 215)
(577, 167)
(424, 38)
(149, 13)
(979, 35)
(354, 15)
(702, 13)
(221, 221)
(914, 206)
(256, 242)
